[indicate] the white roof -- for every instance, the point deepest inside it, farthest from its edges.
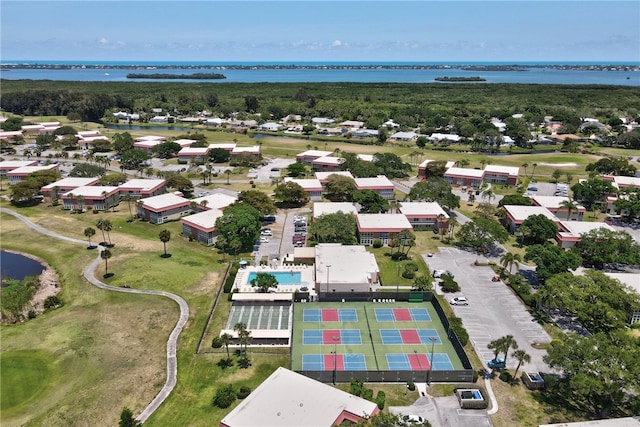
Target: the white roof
(520, 213)
(374, 182)
(577, 228)
(184, 142)
(627, 181)
(15, 164)
(288, 399)
(223, 145)
(217, 200)
(163, 201)
(372, 222)
(93, 138)
(205, 219)
(329, 160)
(314, 153)
(422, 208)
(253, 150)
(553, 202)
(147, 143)
(448, 165)
(323, 176)
(91, 191)
(324, 208)
(307, 184)
(26, 170)
(143, 184)
(150, 138)
(365, 157)
(71, 183)
(510, 170)
(404, 135)
(322, 120)
(186, 151)
(346, 264)
(471, 173)
(444, 136)
(613, 422)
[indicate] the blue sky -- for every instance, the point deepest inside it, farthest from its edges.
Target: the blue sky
(234, 31)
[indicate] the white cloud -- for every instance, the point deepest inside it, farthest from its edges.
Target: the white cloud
(336, 43)
(104, 41)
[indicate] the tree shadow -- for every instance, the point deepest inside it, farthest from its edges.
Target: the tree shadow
(108, 275)
(165, 256)
(92, 247)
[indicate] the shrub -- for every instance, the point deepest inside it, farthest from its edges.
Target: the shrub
(380, 398)
(457, 328)
(224, 397)
(31, 314)
(216, 342)
(399, 256)
(52, 301)
(411, 386)
(408, 274)
(367, 393)
(356, 387)
(505, 376)
(377, 243)
(448, 284)
(243, 392)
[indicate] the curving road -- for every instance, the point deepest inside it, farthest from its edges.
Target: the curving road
(88, 273)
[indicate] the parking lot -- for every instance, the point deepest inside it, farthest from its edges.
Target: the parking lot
(493, 311)
(281, 241)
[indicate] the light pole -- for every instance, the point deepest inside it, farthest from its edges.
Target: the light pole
(335, 356)
(328, 267)
(397, 280)
(433, 341)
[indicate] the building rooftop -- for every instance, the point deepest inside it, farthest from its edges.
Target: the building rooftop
(205, 220)
(251, 150)
(329, 160)
(346, 264)
(471, 173)
(15, 164)
(323, 176)
(308, 184)
(26, 170)
(520, 213)
(553, 202)
(315, 153)
(577, 228)
(92, 191)
(383, 222)
(380, 181)
(288, 399)
(216, 201)
(193, 151)
(324, 208)
(224, 145)
(71, 183)
(141, 184)
(164, 201)
(509, 170)
(422, 209)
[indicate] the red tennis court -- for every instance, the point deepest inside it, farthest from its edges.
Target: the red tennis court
(419, 362)
(330, 315)
(410, 336)
(329, 359)
(402, 315)
(329, 334)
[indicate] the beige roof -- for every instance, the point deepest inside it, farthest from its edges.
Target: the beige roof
(142, 184)
(185, 151)
(150, 138)
(509, 170)
(306, 184)
(216, 201)
(346, 264)
(553, 202)
(15, 164)
(26, 170)
(184, 142)
(471, 173)
(323, 176)
(224, 145)
(374, 182)
(577, 228)
(252, 150)
(330, 160)
(205, 219)
(288, 399)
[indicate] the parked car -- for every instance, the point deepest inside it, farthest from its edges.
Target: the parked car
(413, 419)
(496, 363)
(532, 188)
(269, 218)
(459, 301)
(298, 244)
(266, 232)
(264, 240)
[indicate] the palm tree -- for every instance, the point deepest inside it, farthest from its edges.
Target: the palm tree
(107, 226)
(204, 204)
(488, 194)
(510, 259)
(525, 166)
(80, 203)
(534, 165)
(100, 226)
(129, 198)
(165, 236)
(571, 207)
(522, 357)
(508, 344)
(440, 222)
(105, 255)
(453, 222)
(226, 340)
(88, 233)
(496, 346)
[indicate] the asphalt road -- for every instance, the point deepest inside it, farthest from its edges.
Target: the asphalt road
(88, 273)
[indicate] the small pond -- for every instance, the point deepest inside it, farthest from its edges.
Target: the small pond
(17, 267)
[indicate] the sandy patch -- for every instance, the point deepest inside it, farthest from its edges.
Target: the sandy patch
(559, 165)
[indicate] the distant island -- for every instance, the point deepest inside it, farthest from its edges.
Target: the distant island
(460, 79)
(195, 76)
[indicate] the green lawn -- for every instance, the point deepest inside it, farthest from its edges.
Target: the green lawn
(24, 376)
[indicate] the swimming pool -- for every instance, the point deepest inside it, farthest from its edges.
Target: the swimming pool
(283, 277)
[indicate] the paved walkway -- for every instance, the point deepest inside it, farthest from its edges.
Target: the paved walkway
(88, 273)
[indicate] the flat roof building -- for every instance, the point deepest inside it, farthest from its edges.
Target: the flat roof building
(345, 268)
(324, 208)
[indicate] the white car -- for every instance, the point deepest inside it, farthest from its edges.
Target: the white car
(459, 301)
(264, 240)
(266, 232)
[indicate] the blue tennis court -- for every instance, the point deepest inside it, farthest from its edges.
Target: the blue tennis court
(419, 362)
(409, 336)
(326, 362)
(441, 362)
(402, 315)
(320, 336)
(330, 315)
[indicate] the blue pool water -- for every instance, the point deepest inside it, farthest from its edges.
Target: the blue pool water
(283, 277)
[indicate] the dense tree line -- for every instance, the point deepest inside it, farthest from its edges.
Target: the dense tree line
(466, 107)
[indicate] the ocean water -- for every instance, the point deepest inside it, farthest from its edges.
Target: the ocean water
(274, 72)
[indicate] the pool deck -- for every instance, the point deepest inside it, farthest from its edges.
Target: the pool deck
(306, 277)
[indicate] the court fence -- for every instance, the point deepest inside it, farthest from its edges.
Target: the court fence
(459, 375)
(436, 376)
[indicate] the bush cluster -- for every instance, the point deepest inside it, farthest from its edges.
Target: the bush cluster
(457, 328)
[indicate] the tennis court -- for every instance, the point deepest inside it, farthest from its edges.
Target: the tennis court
(364, 336)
